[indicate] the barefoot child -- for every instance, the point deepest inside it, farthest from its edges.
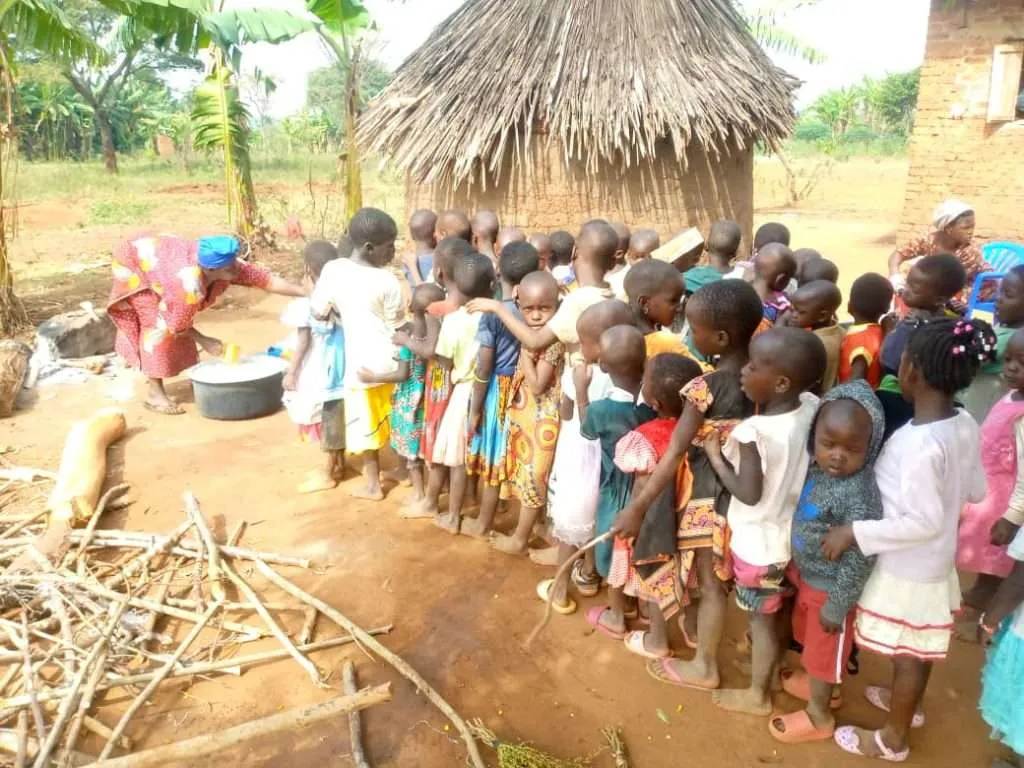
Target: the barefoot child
(722, 317)
(496, 365)
(407, 398)
(647, 568)
(926, 472)
(576, 476)
(655, 289)
(1002, 681)
(532, 417)
(814, 309)
(418, 261)
(313, 384)
(368, 299)
(987, 527)
(720, 251)
(763, 464)
(840, 489)
(456, 350)
(860, 355)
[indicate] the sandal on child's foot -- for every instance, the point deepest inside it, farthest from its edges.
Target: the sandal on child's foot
(797, 683)
(587, 584)
(636, 642)
(857, 741)
(880, 698)
(798, 728)
(594, 618)
(544, 592)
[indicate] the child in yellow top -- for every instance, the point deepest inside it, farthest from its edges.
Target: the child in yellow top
(655, 290)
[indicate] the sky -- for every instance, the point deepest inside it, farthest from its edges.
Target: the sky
(863, 38)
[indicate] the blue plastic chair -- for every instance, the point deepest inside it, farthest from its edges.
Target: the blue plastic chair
(1002, 257)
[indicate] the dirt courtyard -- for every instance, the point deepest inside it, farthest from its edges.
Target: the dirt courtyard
(460, 610)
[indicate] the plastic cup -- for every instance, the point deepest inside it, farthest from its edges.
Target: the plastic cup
(231, 353)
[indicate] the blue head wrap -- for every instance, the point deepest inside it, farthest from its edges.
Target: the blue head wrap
(217, 252)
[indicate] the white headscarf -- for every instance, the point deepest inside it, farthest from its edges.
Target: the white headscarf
(948, 212)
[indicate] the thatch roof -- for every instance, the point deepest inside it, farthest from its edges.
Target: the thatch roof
(608, 78)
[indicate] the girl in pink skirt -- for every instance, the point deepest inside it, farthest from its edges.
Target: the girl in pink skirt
(988, 527)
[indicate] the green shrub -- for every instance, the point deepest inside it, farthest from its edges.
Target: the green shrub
(120, 212)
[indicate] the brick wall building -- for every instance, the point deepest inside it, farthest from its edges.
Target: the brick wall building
(541, 194)
(968, 139)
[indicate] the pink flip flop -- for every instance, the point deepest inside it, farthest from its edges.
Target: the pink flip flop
(663, 672)
(634, 642)
(593, 616)
(873, 693)
(848, 741)
(799, 729)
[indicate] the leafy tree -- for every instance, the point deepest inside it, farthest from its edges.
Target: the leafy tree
(325, 87)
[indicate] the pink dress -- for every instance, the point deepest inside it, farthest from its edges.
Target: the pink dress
(999, 458)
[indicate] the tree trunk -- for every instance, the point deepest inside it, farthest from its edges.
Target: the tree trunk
(107, 140)
(12, 313)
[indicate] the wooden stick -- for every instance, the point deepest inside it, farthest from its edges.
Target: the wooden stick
(558, 575)
(213, 568)
(160, 597)
(71, 700)
(94, 725)
(348, 672)
(308, 626)
(19, 759)
(38, 517)
(90, 527)
(30, 689)
(236, 535)
(273, 626)
(158, 678)
(161, 544)
(78, 721)
(185, 752)
(394, 660)
(9, 743)
(187, 548)
(184, 602)
(21, 701)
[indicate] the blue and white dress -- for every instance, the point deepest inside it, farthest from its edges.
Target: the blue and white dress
(1002, 680)
(320, 378)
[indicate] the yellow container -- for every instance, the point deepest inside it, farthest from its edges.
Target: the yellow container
(231, 353)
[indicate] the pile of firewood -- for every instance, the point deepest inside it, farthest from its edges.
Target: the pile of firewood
(87, 610)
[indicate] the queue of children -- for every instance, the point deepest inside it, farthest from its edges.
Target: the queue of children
(761, 452)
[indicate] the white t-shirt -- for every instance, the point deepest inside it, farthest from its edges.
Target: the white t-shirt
(563, 324)
(926, 473)
(761, 532)
(369, 302)
(617, 282)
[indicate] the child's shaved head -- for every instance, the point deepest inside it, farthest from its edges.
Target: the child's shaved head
(596, 244)
(562, 244)
(815, 304)
(772, 232)
(597, 319)
(542, 243)
(454, 223)
(425, 294)
(422, 225)
(445, 255)
(510, 235)
(643, 243)
(623, 353)
(775, 265)
(724, 238)
(797, 354)
(817, 269)
(623, 235)
(485, 226)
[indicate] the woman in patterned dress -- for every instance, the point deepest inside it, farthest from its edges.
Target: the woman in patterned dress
(160, 284)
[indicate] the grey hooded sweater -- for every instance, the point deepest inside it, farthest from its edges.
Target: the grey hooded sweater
(827, 502)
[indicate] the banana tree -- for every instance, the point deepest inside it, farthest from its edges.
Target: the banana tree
(342, 21)
(220, 119)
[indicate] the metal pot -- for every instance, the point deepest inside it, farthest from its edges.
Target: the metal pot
(247, 389)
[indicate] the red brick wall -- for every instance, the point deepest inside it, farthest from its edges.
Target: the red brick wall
(543, 196)
(969, 158)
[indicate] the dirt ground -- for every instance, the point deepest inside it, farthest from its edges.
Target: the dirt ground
(460, 610)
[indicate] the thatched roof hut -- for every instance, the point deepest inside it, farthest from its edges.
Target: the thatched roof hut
(553, 111)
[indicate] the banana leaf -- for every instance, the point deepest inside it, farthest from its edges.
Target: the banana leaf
(42, 25)
(342, 17)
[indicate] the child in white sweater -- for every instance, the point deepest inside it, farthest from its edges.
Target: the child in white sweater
(926, 472)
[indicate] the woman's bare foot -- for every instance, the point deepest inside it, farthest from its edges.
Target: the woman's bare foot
(510, 545)
(316, 482)
(448, 522)
(545, 556)
(473, 528)
(158, 401)
(418, 509)
(745, 700)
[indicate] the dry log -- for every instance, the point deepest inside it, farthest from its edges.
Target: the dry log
(308, 626)
(213, 568)
(348, 673)
(13, 362)
(21, 701)
(184, 752)
(393, 659)
(22, 754)
(158, 677)
(160, 544)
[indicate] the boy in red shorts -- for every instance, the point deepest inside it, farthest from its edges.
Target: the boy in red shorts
(860, 356)
(840, 488)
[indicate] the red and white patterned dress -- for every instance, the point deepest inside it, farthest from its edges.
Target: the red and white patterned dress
(158, 290)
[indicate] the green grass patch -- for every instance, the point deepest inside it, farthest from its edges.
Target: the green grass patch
(120, 211)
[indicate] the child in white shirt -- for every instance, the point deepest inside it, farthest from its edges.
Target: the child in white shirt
(763, 465)
(926, 473)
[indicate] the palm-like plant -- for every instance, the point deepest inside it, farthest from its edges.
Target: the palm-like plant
(765, 22)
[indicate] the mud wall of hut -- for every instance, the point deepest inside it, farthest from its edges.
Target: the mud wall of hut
(663, 193)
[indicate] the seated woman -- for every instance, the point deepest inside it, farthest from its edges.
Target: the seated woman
(952, 232)
(160, 284)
